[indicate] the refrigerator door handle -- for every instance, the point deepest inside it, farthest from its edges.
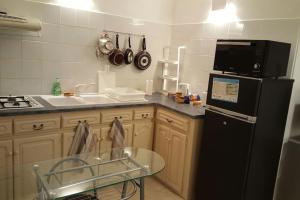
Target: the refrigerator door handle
(234, 115)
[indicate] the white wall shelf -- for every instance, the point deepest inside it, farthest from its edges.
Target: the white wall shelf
(171, 78)
(172, 62)
(165, 72)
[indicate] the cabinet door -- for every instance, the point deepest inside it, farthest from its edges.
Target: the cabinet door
(30, 150)
(176, 160)
(68, 138)
(106, 141)
(6, 176)
(143, 135)
(161, 146)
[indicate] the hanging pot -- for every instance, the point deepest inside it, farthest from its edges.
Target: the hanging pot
(128, 54)
(142, 59)
(105, 44)
(117, 56)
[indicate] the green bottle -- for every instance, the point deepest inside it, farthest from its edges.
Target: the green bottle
(56, 89)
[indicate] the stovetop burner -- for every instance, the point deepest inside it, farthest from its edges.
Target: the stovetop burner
(14, 102)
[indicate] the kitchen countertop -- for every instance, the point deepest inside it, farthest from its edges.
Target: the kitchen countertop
(155, 99)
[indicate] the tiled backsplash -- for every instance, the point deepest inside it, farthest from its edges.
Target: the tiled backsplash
(66, 49)
(200, 40)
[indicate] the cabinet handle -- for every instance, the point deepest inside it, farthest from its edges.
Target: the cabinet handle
(103, 138)
(38, 128)
(136, 134)
(16, 153)
(169, 120)
(10, 153)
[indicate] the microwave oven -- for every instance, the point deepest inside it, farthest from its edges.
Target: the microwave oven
(254, 58)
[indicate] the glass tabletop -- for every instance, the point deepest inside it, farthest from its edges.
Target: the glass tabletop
(66, 176)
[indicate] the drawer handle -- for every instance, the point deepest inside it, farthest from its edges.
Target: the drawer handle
(170, 121)
(80, 121)
(145, 115)
(120, 117)
(38, 128)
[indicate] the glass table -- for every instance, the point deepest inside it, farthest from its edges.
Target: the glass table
(80, 176)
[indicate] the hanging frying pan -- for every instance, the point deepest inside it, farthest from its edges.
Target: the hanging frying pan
(142, 59)
(105, 44)
(117, 56)
(128, 54)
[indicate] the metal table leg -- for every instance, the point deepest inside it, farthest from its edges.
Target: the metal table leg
(142, 189)
(124, 190)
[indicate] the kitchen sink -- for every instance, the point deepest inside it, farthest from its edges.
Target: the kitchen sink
(77, 101)
(63, 101)
(115, 95)
(97, 99)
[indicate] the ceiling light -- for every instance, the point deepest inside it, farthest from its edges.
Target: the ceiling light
(77, 4)
(223, 16)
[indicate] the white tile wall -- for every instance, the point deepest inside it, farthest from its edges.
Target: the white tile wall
(66, 49)
(200, 40)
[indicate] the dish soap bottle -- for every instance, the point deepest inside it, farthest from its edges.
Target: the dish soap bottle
(56, 89)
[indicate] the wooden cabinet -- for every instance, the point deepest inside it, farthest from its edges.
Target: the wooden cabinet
(30, 150)
(143, 134)
(108, 116)
(36, 123)
(6, 172)
(171, 145)
(173, 119)
(161, 146)
(32, 138)
(68, 136)
(71, 120)
(176, 159)
(106, 141)
(5, 126)
(177, 140)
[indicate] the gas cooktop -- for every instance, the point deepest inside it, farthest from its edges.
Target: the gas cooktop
(17, 102)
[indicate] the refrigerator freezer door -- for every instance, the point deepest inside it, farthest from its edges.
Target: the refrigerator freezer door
(234, 93)
(225, 151)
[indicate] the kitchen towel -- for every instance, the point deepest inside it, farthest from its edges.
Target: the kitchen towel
(90, 139)
(84, 139)
(117, 134)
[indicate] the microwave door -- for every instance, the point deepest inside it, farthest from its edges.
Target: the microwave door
(234, 93)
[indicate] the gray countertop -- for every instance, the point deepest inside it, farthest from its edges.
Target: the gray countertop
(155, 99)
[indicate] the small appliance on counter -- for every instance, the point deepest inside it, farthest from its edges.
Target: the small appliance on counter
(255, 58)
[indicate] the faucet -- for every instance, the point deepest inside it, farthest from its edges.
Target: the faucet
(79, 87)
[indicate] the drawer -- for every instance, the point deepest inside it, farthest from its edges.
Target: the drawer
(143, 113)
(108, 116)
(174, 119)
(36, 123)
(72, 119)
(5, 126)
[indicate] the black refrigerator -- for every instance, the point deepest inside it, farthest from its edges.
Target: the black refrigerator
(243, 133)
